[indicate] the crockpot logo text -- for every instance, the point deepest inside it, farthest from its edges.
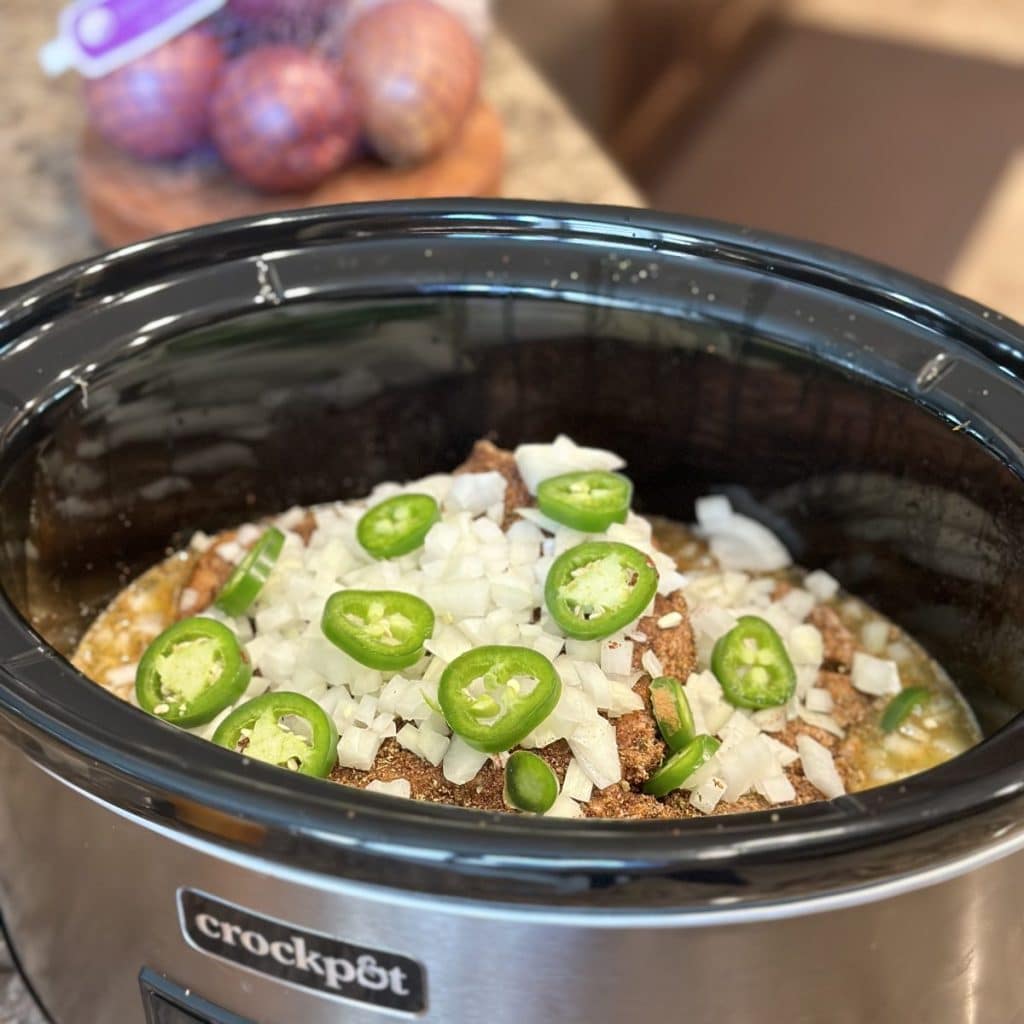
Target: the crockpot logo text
(337, 972)
(300, 957)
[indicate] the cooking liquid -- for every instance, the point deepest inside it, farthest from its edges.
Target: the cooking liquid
(940, 729)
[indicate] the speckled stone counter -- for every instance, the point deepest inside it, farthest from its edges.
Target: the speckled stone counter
(41, 222)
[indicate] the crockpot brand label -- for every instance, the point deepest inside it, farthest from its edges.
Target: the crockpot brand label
(294, 955)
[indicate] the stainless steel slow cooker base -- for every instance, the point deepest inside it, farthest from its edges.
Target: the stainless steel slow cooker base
(93, 916)
(874, 422)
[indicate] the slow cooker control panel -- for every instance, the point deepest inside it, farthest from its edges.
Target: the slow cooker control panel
(168, 1003)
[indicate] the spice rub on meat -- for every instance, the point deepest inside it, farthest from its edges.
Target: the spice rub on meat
(641, 749)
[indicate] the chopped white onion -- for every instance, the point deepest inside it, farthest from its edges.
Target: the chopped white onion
(798, 603)
(744, 764)
(740, 542)
(823, 586)
(875, 636)
(822, 721)
(818, 699)
(776, 789)
(358, 748)
(770, 719)
(708, 794)
(424, 742)
(396, 787)
(461, 762)
(583, 650)
(652, 664)
(577, 784)
(784, 755)
(594, 746)
(616, 657)
(875, 676)
(537, 462)
(806, 645)
(475, 492)
(713, 510)
(564, 807)
(819, 768)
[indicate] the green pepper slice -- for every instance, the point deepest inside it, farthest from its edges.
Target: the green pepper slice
(587, 501)
(597, 587)
(284, 729)
(484, 701)
(530, 783)
(672, 712)
(899, 708)
(397, 526)
(251, 574)
(752, 666)
(681, 765)
(192, 671)
(382, 629)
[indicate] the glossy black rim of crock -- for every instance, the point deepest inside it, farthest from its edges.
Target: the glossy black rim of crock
(135, 762)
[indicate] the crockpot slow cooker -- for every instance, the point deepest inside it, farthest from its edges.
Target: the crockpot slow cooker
(205, 378)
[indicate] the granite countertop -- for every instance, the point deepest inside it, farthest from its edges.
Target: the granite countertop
(41, 221)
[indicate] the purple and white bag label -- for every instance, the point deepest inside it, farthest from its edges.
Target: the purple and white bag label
(98, 36)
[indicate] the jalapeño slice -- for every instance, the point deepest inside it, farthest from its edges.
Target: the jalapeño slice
(382, 629)
(530, 782)
(191, 672)
(397, 526)
(284, 729)
(245, 583)
(672, 712)
(752, 666)
(494, 696)
(586, 501)
(597, 587)
(899, 708)
(681, 765)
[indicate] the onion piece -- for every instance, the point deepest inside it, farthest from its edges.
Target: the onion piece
(358, 748)
(708, 794)
(713, 510)
(616, 657)
(461, 762)
(652, 664)
(805, 645)
(822, 585)
(818, 699)
(875, 676)
(475, 492)
(819, 768)
(776, 789)
(396, 787)
(537, 462)
(563, 807)
(740, 542)
(825, 722)
(577, 785)
(594, 746)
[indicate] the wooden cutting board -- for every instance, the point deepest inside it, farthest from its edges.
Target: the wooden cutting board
(129, 200)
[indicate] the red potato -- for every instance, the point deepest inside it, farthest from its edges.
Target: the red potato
(157, 107)
(415, 70)
(282, 121)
